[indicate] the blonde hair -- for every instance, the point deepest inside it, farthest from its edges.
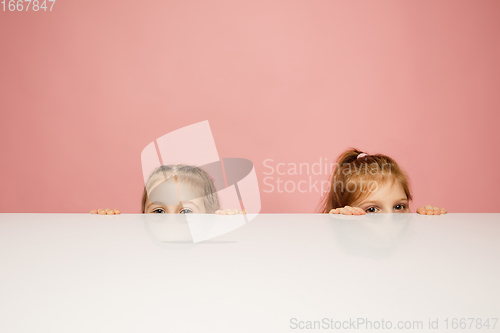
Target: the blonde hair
(195, 176)
(349, 169)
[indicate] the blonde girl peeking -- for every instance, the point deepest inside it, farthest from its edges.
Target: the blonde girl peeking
(362, 183)
(179, 189)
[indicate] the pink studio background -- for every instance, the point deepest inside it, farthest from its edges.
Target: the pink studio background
(84, 88)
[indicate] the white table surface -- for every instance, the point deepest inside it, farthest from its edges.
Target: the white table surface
(142, 273)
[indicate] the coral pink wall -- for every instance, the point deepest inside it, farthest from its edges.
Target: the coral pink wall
(84, 88)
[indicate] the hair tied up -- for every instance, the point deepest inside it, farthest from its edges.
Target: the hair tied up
(362, 155)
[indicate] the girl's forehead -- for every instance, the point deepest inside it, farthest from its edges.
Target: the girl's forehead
(172, 193)
(387, 190)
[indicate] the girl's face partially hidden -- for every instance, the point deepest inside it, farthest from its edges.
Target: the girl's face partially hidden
(387, 198)
(169, 198)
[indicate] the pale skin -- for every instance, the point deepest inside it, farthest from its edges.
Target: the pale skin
(175, 206)
(387, 198)
(186, 207)
(194, 206)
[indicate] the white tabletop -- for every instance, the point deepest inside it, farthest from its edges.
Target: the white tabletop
(276, 273)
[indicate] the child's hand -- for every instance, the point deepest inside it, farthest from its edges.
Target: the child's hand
(229, 212)
(431, 210)
(105, 211)
(348, 210)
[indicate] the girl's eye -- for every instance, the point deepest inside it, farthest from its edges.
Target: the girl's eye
(399, 207)
(158, 211)
(186, 211)
(371, 210)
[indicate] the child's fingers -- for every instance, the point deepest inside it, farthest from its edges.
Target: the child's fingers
(431, 210)
(345, 211)
(356, 211)
(229, 212)
(349, 209)
(425, 210)
(106, 211)
(243, 212)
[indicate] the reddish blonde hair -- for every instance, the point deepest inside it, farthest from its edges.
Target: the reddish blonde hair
(198, 178)
(349, 169)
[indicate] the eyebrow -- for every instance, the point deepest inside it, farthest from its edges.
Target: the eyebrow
(191, 202)
(161, 203)
(376, 202)
(154, 203)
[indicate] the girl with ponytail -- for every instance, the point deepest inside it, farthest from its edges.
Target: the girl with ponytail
(362, 183)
